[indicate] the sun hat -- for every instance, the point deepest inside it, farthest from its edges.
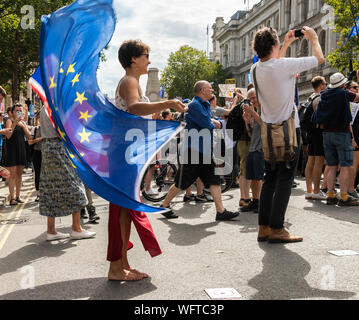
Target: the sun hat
(337, 80)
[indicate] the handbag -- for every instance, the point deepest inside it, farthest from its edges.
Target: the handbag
(279, 141)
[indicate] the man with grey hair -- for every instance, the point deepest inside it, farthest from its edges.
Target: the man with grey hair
(199, 147)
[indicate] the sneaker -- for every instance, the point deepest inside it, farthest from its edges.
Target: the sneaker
(151, 192)
(83, 214)
(84, 234)
(332, 201)
(203, 198)
(226, 215)
(253, 205)
(93, 217)
(350, 202)
(308, 196)
(58, 236)
(168, 214)
(354, 194)
(324, 190)
(188, 198)
(319, 196)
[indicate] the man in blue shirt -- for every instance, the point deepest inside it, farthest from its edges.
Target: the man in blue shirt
(198, 161)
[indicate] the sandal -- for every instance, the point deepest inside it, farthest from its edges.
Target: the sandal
(19, 200)
(12, 202)
(37, 199)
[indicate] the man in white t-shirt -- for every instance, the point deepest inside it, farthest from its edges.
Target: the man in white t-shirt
(276, 78)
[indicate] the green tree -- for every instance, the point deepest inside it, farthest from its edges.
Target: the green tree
(187, 66)
(346, 13)
(20, 45)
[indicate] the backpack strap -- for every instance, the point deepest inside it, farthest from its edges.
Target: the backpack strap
(255, 81)
(287, 156)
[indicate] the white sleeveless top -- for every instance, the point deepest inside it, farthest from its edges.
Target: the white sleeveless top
(121, 104)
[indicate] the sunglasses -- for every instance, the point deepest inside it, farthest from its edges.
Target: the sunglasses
(146, 54)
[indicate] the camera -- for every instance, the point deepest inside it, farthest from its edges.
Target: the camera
(247, 101)
(298, 33)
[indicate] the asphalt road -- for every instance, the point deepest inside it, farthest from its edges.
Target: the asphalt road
(198, 253)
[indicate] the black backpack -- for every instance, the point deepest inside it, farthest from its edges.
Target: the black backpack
(236, 123)
(305, 118)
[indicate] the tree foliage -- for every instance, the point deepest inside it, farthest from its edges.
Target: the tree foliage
(19, 49)
(346, 13)
(187, 66)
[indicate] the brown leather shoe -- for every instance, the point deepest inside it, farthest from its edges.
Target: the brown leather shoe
(263, 233)
(283, 236)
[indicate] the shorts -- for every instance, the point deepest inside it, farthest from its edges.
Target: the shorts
(255, 166)
(338, 149)
(315, 145)
(188, 173)
(243, 150)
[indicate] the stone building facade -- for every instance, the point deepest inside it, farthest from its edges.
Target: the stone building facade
(232, 40)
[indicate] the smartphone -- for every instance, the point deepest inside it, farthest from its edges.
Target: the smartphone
(298, 33)
(19, 114)
(247, 101)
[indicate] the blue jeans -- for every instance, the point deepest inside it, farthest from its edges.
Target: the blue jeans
(338, 149)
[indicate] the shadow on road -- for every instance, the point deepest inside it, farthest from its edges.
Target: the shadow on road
(39, 249)
(91, 288)
(184, 234)
(283, 277)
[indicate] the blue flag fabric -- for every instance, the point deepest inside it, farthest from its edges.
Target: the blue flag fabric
(110, 149)
(354, 31)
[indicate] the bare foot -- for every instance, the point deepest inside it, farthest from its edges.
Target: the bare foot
(124, 275)
(145, 275)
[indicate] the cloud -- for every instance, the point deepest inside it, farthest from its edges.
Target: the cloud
(165, 27)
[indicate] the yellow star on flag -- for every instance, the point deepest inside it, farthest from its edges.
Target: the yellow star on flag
(62, 134)
(61, 70)
(52, 84)
(71, 69)
(85, 115)
(76, 79)
(84, 136)
(81, 97)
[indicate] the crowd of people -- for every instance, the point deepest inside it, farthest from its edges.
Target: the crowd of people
(266, 131)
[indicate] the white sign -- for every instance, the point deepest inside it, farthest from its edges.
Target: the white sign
(343, 253)
(223, 293)
(226, 90)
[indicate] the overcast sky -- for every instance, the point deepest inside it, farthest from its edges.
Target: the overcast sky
(165, 28)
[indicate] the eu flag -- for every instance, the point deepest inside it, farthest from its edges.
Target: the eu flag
(110, 149)
(354, 30)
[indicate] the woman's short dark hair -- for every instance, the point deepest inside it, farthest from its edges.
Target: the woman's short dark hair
(131, 49)
(264, 41)
(16, 105)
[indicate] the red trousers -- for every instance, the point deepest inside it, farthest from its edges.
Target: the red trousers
(143, 227)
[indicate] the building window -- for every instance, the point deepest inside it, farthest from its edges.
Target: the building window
(322, 41)
(304, 9)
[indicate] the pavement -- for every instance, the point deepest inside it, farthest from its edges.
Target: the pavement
(198, 253)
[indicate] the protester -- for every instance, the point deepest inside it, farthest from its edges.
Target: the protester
(61, 190)
(274, 78)
(255, 157)
(91, 209)
(15, 153)
(314, 167)
(353, 87)
(134, 58)
(334, 115)
(199, 160)
(36, 154)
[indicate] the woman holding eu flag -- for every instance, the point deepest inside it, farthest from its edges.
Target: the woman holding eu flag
(134, 58)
